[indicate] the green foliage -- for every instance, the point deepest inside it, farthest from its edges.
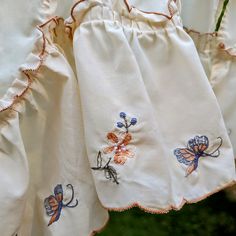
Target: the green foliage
(215, 216)
(221, 15)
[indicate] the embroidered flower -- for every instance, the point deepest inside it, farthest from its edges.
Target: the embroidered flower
(126, 124)
(133, 121)
(119, 147)
(122, 115)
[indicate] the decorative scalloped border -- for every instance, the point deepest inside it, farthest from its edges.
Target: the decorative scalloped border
(41, 56)
(94, 232)
(73, 8)
(130, 7)
(221, 45)
(28, 87)
(171, 207)
(229, 51)
(25, 72)
(18, 97)
(213, 34)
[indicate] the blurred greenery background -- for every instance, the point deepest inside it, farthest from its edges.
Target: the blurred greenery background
(214, 216)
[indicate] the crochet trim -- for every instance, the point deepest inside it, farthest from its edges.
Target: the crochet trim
(171, 207)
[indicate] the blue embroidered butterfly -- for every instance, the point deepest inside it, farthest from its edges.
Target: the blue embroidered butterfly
(196, 148)
(54, 204)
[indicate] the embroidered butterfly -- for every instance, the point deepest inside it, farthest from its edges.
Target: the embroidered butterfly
(54, 203)
(196, 148)
(109, 171)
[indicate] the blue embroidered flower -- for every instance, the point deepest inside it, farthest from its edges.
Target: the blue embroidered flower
(133, 121)
(120, 125)
(122, 115)
(126, 123)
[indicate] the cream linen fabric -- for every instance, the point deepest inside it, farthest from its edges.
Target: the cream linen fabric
(59, 110)
(200, 15)
(42, 141)
(217, 54)
(228, 26)
(145, 65)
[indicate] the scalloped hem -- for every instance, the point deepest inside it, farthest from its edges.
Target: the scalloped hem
(97, 231)
(129, 8)
(206, 37)
(189, 31)
(72, 10)
(164, 211)
(40, 54)
(169, 17)
(229, 51)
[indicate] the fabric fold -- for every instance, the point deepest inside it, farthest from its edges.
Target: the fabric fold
(46, 178)
(217, 53)
(140, 72)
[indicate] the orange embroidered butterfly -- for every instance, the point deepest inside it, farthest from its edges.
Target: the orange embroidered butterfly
(196, 148)
(54, 203)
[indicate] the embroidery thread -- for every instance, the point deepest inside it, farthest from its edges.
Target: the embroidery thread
(118, 147)
(196, 148)
(54, 203)
(109, 171)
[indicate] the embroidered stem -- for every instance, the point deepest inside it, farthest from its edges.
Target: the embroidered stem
(109, 171)
(123, 115)
(108, 163)
(126, 125)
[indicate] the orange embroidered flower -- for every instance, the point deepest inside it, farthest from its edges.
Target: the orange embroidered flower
(119, 146)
